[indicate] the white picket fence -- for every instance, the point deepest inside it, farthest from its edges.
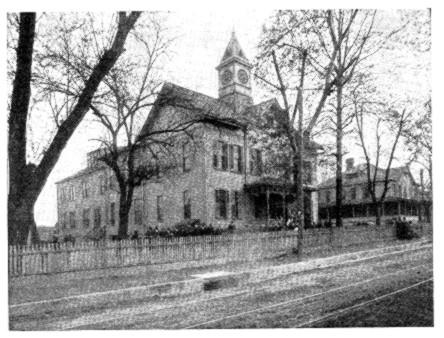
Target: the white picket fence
(64, 257)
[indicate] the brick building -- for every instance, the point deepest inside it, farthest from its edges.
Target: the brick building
(403, 197)
(220, 176)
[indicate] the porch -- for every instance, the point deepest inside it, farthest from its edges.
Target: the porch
(271, 200)
(390, 208)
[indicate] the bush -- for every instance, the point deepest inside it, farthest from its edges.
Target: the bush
(404, 230)
(96, 234)
(191, 227)
(69, 238)
(328, 224)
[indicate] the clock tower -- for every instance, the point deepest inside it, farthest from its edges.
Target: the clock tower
(235, 76)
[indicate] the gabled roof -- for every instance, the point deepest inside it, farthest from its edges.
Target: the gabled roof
(271, 110)
(358, 175)
(197, 104)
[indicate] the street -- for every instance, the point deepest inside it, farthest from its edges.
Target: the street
(381, 289)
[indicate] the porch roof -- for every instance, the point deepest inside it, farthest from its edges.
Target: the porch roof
(272, 184)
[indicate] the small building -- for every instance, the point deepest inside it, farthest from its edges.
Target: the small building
(403, 197)
(219, 178)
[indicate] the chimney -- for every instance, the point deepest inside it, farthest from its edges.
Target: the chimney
(349, 164)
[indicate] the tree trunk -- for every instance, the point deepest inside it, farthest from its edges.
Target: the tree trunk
(123, 219)
(20, 202)
(339, 135)
(378, 207)
(430, 212)
(21, 221)
(126, 198)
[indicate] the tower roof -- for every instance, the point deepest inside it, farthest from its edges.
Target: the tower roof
(234, 51)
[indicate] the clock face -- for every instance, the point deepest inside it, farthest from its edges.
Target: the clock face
(243, 76)
(227, 76)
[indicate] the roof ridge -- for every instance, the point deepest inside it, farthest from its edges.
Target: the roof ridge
(196, 92)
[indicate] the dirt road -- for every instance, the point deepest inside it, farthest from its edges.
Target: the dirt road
(327, 295)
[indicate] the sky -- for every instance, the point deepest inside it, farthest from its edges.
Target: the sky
(201, 38)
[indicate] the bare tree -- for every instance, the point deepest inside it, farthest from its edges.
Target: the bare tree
(396, 122)
(350, 32)
(154, 151)
(296, 51)
(418, 139)
(355, 36)
(134, 150)
(26, 180)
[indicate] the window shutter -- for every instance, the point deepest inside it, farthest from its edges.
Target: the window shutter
(224, 156)
(240, 159)
(231, 157)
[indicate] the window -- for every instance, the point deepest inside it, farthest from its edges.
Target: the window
(221, 199)
(256, 162)
(112, 182)
(235, 205)
(327, 196)
(235, 158)
(220, 155)
(103, 185)
(353, 193)
(224, 158)
(186, 161)
(70, 193)
(112, 214)
(85, 189)
(64, 220)
(159, 208)
(138, 216)
(72, 219)
(307, 172)
(186, 204)
(216, 155)
(366, 192)
(97, 217)
(85, 218)
(231, 157)
(62, 195)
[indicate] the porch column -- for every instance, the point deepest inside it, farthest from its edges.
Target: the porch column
(353, 211)
(268, 205)
(366, 210)
(284, 207)
(399, 208)
(383, 209)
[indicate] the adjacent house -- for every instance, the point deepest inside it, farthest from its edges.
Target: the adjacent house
(219, 177)
(403, 197)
